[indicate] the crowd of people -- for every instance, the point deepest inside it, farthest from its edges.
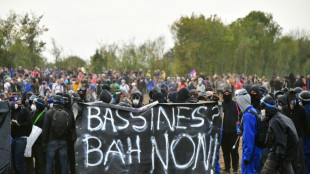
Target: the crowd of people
(43, 97)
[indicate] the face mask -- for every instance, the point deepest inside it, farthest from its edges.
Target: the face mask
(280, 108)
(48, 94)
(255, 99)
(51, 105)
(293, 102)
(227, 97)
(33, 108)
(135, 101)
(14, 106)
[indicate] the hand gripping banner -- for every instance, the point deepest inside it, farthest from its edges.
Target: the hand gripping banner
(163, 138)
(5, 132)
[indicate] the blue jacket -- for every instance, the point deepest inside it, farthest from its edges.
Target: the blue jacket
(217, 163)
(150, 85)
(250, 151)
(27, 87)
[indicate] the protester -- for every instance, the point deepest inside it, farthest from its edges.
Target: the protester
(137, 99)
(55, 133)
(272, 84)
(71, 135)
(193, 96)
(300, 82)
(182, 95)
(82, 92)
(283, 150)
(21, 125)
(156, 95)
(124, 86)
(305, 101)
(91, 91)
(7, 85)
(124, 99)
(76, 85)
(308, 82)
(37, 149)
(256, 96)
(298, 114)
(27, 86)
(57, 87)
(251, 153)
(105, 96)
(229, 133)
(191, 84)
(200, 86)
(15, 86)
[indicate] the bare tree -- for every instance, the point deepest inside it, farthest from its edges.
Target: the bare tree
(56, 51)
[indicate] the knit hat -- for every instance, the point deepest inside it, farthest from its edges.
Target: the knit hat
(105, 96)
(182, 95)
(172, 96)
(243, 99)
(107, 87)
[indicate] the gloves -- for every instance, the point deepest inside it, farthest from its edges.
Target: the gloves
(239, 132)
(14, 122)
(280, 162)
(44, 147)
(246, 162)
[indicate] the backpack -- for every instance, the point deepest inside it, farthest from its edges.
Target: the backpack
(261, 138)
(60, 123)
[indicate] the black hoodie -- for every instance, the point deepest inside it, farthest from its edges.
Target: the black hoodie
(182, 95)
(283, 136)
(230, 111)
(23, 117)
(297, 114)
(39, 122)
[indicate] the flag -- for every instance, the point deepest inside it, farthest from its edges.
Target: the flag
(193, 74)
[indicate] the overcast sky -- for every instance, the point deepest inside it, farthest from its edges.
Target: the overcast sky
(79, 26)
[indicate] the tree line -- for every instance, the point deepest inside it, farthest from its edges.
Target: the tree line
(252, 44)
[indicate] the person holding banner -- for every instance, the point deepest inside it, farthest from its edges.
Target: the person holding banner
(55, 134)
(37, 149)
(21, 125)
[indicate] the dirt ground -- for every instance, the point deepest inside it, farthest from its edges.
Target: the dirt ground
(222, 160)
